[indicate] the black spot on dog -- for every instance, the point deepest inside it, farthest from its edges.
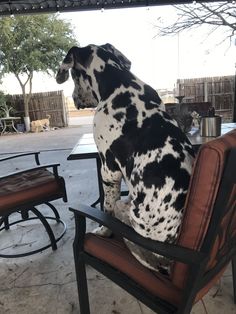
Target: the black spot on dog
(170, 238)
(167, 198)
(154, 133)
(85, 75)
(159, 221)
(155, 173)
(162, 219)
(179, 202)
(131, 113)
(136, 212)
(111, 126)
(75, 73)
(119, 116)
(82, 55)
(189, 149)
(152, 177)
(103, 54)
(122, 100)
(110, 161)
(129, 166)
(182, 180)
(90, 82)
(107, 55)
(150, 98)
(139, 199)
(114, 78)
(105, 110)
(135, 180)
(129, 129)
(122, 149)
(177, 147)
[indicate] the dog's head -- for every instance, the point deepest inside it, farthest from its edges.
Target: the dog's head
(84, 63)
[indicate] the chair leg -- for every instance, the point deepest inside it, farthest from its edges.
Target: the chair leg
(53, 208)
(5, 220)
(234, 277)
(6, 223)
(82, 285)
(25, 214)
(47, 227)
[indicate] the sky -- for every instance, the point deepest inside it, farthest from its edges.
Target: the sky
(158, 61)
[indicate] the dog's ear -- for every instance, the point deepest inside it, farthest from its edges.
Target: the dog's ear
(68, 63)
(75, 57)
(123, 61)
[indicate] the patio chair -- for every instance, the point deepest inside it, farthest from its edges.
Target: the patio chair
(205, 247)
(22, 191)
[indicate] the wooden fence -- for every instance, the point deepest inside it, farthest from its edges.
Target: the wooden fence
(41, 105)
(219, 91)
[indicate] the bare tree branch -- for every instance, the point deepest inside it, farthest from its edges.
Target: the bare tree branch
(191, 16)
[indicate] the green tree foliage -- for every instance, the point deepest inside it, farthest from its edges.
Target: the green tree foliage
(31, 44)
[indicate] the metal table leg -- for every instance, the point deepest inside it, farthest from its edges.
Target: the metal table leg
(100, 188)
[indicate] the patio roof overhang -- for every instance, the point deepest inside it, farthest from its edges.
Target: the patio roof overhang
(9, 7)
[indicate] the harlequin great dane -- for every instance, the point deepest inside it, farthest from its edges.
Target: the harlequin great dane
(137, 141)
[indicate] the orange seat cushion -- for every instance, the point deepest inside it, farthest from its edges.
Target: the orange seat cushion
(27, 187)
(114, 252)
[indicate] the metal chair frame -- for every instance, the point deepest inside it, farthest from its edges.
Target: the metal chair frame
(26, 208)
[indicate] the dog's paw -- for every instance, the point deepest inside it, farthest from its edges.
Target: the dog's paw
(102, 231)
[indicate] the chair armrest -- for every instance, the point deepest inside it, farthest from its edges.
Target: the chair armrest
(36, 156)
(53, 166)
(171, 251)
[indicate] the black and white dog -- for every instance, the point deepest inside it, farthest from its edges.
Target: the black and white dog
(137, 141)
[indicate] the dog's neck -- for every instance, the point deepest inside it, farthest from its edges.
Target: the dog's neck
(111, 80)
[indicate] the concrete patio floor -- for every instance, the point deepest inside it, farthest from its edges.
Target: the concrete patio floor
(45, 283)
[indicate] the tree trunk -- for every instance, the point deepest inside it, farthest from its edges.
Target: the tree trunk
(26, 110)
(26, 98)
(27, 123)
